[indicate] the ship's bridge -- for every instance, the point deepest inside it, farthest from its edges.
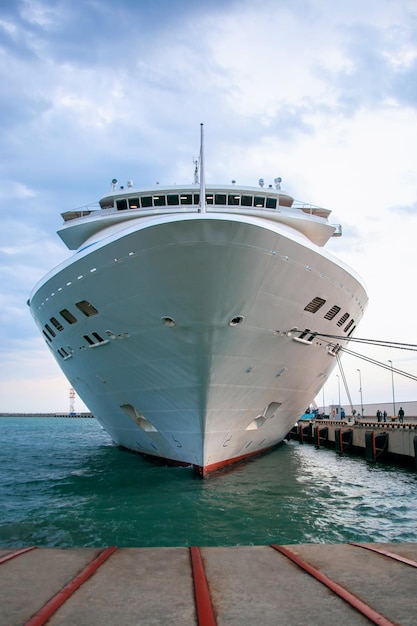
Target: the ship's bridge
(127, 204)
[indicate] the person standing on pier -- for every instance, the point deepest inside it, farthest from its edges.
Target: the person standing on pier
(401, 415)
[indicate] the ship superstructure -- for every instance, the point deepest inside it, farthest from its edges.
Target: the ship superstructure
(189, 317)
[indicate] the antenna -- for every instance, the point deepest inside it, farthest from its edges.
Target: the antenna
(278, 182)
(261, 182)
(202, 176)
(196, 181)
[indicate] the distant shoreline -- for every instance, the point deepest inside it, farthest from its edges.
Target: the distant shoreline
(72, 415)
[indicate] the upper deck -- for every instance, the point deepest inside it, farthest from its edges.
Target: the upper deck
(129, 203)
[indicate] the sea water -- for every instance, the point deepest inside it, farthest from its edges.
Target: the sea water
(63, 483)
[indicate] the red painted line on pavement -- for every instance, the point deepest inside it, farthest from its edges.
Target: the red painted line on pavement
(343, 593)
(12, 555)
(42, 616)
(205, 613)
(391, 555)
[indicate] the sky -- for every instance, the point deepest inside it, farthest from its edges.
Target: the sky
(322, 93)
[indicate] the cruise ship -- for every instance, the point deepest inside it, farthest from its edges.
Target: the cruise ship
(196, 321)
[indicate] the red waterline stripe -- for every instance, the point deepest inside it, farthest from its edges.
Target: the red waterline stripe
(42, 616)
(12, 555)
(343, 593)
(391, 555)
(205, 614)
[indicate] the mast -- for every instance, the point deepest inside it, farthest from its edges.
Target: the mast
(202, 208)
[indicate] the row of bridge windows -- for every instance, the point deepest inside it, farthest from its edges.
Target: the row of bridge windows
(184, 199)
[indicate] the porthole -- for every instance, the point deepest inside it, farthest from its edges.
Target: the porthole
(168, 321)
(235, 321)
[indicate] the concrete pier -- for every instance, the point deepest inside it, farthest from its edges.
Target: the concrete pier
(266, 585)
(390, 441)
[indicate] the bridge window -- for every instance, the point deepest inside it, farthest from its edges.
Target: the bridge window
(246, 201)
(159, 201)
(146, 202)
(173, 199)
(259, 201)
(186, 198)
(233, 200)
(121, 204)
(271, 203)
(133, 203)
(220, 198)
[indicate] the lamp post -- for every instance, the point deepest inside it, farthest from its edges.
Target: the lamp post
(338, 385)
(392, 382)
(360, 389)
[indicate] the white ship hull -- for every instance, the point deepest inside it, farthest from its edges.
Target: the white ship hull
(193, 360)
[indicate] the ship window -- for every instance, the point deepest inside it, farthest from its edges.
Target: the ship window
(47, 336)
(133, 203)
(89, 340)
(351, 331)
(271, 203)
(332, 312)
(86, 308)
(259, 201)
(233, 199)
(50, 331)
(121, 204)
(57, 324)
(68, 316)
(173, 199)
(343, 319)
(196, 198)
(146, 201)
(246, 201)
(349, 325)
(220, 198)
(186, 198)
(107, 203)
(314, 305)
(97, 336)
(159, 201)
(209, 198)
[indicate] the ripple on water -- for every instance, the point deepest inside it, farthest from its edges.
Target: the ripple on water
(62, 483)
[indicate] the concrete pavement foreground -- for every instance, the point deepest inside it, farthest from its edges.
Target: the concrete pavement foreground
(266, 585)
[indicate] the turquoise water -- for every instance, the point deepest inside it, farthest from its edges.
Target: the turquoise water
(64, 484)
